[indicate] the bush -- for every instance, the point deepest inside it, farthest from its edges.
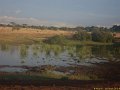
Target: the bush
(102, 36)
(64, 78)
(58, 39)
(82, 36)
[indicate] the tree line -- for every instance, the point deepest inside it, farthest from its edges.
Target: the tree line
(114, 28)
(96, 36)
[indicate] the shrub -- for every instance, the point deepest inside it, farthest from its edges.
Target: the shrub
(58, 39)
(102, 36)
(82, 36)
(64, 78)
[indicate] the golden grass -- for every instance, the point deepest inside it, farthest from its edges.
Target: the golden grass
(27, 35)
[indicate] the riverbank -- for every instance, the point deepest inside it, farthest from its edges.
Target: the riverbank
(59, 85)
(16, 81)
(75, 42)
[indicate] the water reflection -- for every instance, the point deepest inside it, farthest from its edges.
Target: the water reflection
(64, 53)
(75, 62)
(4, 47)
(24, 51)
(83, 52)
(111, 53)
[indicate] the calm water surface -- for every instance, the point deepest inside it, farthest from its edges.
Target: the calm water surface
(77, 62)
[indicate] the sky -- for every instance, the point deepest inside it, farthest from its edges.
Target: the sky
(61, 12)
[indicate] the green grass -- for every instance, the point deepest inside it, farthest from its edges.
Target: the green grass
(62, 40)
(76, 42)
(51, 74)
(44, 77)
(25, 77)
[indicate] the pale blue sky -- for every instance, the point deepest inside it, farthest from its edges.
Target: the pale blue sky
(61, 12)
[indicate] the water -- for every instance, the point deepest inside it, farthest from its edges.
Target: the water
(77, 62)
(12, 69)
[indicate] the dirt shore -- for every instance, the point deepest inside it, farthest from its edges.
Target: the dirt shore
(58, 85)
(38, 88)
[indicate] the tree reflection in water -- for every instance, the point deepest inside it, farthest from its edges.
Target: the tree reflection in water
(76, 54)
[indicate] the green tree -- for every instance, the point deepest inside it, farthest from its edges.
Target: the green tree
(115, 28)
(15, 26)
(58, 39)
(82, 36)
(101, 36)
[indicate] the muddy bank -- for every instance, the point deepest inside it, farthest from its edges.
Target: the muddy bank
(37, 88)
(103, 71)
(58, 85)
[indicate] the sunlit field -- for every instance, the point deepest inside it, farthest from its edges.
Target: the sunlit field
(27, 35)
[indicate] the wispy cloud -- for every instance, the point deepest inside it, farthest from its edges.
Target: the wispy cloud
(31, 21)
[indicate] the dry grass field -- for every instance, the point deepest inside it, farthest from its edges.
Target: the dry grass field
(27, 35)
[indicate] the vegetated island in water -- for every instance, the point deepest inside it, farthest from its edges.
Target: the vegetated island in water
(24, 34)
